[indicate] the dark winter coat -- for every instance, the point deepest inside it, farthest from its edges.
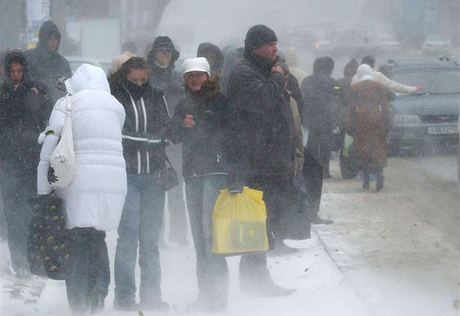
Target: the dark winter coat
(144, 156)
(369, 122)
(320, 96)
(170, 81)
(264, 131)
(45, 65)
(203, 145)
(23, 115)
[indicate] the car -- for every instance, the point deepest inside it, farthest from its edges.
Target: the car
(322, 47)
(388, 46)
(75, 62)
(436, 45)
(428, 119)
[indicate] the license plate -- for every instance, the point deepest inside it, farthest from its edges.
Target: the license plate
(442, 130)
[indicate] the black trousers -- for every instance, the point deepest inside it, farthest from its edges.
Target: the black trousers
(18, 185)
(313, 174)
(318, 146)
(87, 270)
(253, 267)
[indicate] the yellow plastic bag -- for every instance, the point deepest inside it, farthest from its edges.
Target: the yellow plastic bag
(239, 223)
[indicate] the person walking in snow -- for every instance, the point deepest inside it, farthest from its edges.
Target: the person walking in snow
(144, 150)
(320, 92)
(369, 122)
(391, 85)
(201, 123)
(46, 64)
(263, 154)
(94, 199)
(24, 109)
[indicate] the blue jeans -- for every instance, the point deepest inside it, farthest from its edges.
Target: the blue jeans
(140, 224)
(211, 269)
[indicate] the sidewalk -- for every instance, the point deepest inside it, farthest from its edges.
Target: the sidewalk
(322, 289)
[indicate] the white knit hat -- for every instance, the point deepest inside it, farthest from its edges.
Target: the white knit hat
(196, 64)
(364, 70)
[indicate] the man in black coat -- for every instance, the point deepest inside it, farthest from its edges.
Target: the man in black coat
(46, 64)
(263, 151)
(320, 92)
(24, 109)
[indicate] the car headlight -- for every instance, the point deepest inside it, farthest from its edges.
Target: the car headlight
(401, 119)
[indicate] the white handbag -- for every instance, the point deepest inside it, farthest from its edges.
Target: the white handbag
(62, 159)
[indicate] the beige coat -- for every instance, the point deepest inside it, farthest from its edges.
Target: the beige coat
(369, 122)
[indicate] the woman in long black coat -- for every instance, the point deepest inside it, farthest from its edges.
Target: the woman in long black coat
(24, 109)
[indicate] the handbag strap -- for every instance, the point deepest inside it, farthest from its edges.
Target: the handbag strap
(68, 106)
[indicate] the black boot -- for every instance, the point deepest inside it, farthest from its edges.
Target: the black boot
(97, 304)
(379, 184)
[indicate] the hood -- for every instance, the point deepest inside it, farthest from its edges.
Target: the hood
(292, 58)
(47, 30)
(16, 56)
(87, 77)
(163, 42)
(213, 54)
(364, 70)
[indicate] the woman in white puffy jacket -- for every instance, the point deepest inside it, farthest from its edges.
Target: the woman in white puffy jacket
(95, 197)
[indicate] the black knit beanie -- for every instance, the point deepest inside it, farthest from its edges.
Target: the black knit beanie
(258, 36)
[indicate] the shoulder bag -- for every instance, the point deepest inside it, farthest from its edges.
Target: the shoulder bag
(62, 159)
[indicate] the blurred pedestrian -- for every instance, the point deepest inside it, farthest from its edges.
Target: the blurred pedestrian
(295, 224)
(46, 64)
(391, 85)
(292, 60)
(24, 108)
(369, 122)
(213, 55)
(201, 122)
(144, 150)
(232, 57)
(320, 92)
(129, 47)
(94, 199)
(345, 83)
(263, 147)
(161, 59)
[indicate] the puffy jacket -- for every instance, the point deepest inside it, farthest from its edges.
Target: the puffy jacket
(144, 130)
(203, 144)
(96, 195)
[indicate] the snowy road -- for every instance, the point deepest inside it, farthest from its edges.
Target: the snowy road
(400, 247)
(393, 253)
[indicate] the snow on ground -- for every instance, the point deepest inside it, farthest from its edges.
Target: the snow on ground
(393, 253)
(321, 288)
